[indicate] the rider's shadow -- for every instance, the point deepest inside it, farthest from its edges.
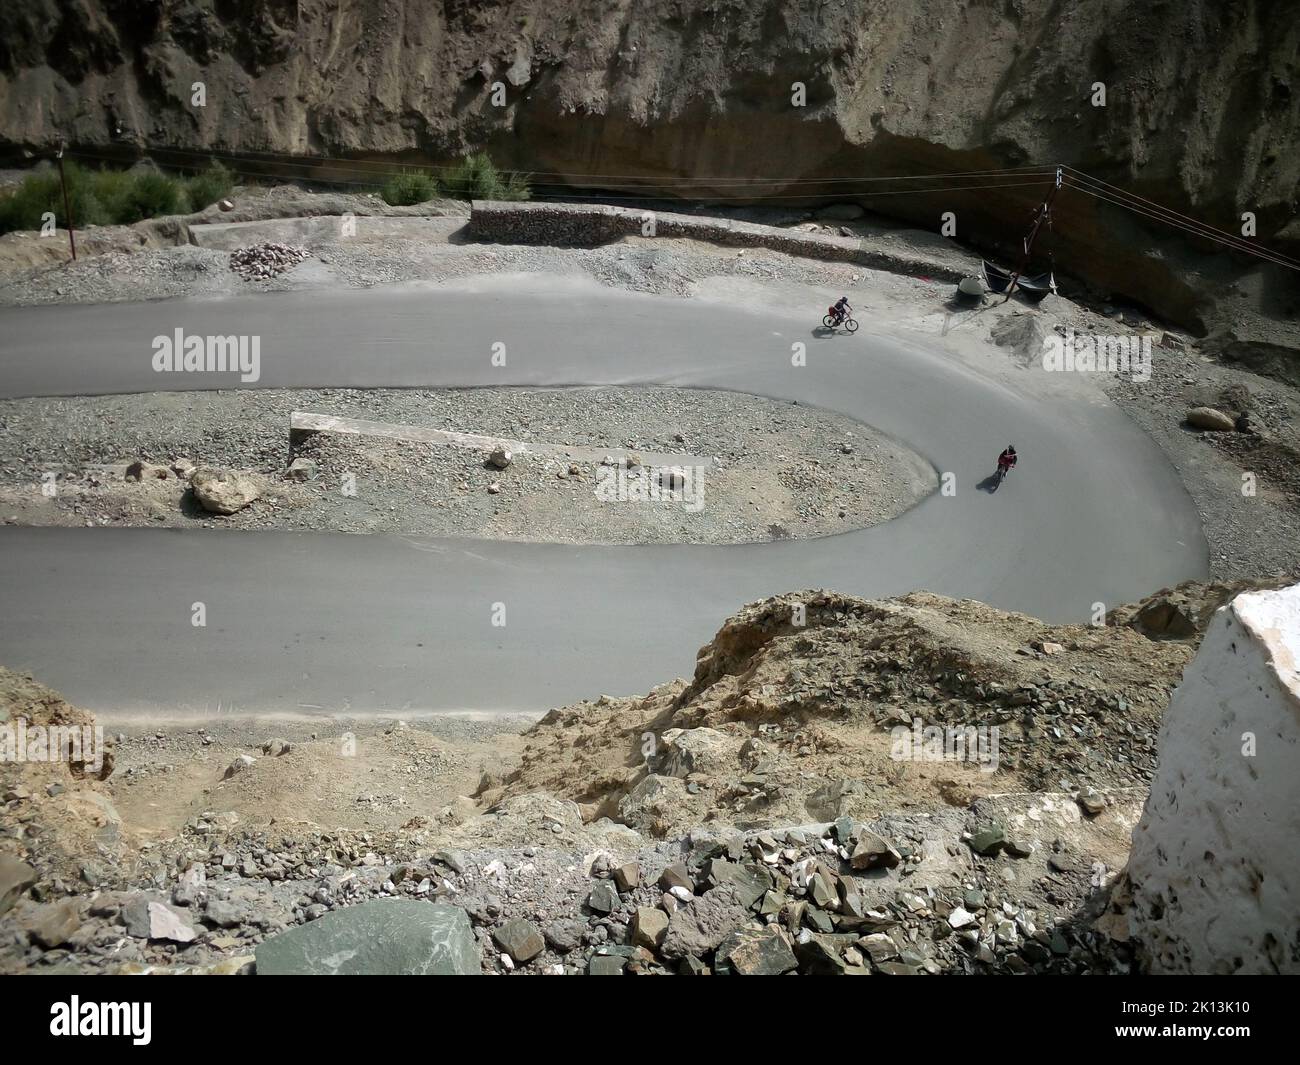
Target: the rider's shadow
(990, 483)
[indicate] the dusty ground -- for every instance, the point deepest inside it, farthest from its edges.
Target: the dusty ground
(775, 470)
(774, 763)
(783, 724)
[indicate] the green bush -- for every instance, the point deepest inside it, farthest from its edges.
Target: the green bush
(476, 177)
(408, 187)
(151, 194)
(112, 190)
(25, 207)
(211, 185)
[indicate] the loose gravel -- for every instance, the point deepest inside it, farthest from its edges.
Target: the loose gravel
(778, 470)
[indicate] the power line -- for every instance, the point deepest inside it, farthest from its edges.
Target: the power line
(386, 168)
(656, 191)
(1168, 215)
(1233, 244)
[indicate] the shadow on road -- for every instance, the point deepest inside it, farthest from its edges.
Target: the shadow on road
(990, 483)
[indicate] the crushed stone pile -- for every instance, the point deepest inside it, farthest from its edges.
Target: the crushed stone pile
(263, 261)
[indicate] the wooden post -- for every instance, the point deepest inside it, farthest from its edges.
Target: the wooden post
(67, 206)
(1043, 212)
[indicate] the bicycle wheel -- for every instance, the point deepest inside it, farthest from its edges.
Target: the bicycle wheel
(851, 324)
(829, 321)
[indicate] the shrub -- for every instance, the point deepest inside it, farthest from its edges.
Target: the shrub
(476, 177)
(408, 187)
(41, 192)
(150, 194)
(209, 186)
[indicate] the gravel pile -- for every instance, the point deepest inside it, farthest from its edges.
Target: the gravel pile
(264, 261)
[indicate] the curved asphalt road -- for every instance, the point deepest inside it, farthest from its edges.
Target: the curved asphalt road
(330, 622)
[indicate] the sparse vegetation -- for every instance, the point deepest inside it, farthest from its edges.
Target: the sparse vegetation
(209, 186)
(475, 177)
(408, 187)
(110, 197)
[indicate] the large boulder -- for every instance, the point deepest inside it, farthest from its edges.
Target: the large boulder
(224, 491)
(1209, 418)
(1214, 869)
(386, 937)
(699, 750)
(702, 924)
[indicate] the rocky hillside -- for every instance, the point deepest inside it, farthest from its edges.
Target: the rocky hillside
(675, 89)
(786, 722)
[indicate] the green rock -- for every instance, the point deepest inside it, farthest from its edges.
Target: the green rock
(605, 965)
(989, 839)
(603, 898)
(386, 937)
(823, 895)
(757, 953)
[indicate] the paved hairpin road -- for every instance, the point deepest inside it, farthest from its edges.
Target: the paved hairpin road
(332, 622)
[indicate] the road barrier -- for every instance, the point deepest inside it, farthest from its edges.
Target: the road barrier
(584, 225)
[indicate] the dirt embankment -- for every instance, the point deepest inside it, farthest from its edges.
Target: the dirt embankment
(642, 835)
(661, 92)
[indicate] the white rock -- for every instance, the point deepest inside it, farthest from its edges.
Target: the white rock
(1214, 866)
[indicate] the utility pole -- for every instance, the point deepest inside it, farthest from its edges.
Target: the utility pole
(1044, 212)
(67, 207)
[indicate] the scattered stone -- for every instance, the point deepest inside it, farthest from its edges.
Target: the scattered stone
(500, 458)
(757, 953)
(603, 898)
(988, 840)
(627, 877)
(166, 923)
(649, 927)
(222, 491)
(1091, 801)
(52, 926)
(301, 470)
(242, 762)
(520, 940)
(874, 852)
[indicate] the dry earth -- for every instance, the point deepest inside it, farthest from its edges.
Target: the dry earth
(240, 829)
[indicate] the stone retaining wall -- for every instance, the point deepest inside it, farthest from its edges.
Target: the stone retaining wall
(588, 225)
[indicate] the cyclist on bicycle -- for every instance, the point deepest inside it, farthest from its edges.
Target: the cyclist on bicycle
(1007, 460)
(840, 309)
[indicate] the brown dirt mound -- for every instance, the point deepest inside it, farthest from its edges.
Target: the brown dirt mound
(786, 721)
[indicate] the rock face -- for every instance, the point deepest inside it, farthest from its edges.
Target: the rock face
(1214, 867)
(889, 88)
(380, 938)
